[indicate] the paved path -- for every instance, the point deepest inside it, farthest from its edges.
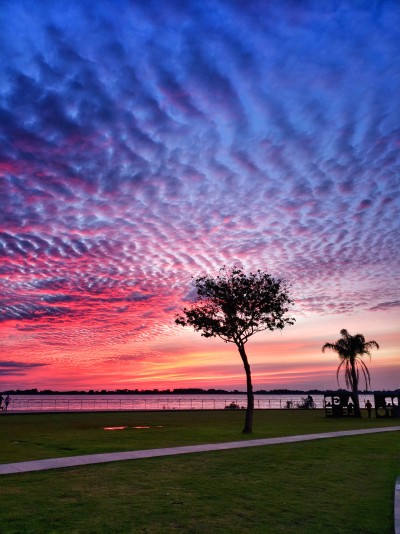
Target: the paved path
(73, 461)
(397, 507)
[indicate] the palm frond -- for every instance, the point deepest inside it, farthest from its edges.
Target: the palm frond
(366, 373)
(338, 370)
(350, 350)
(331, 346)
(369, 345)
(347, 375)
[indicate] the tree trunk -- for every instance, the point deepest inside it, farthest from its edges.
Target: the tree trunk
(248, 424)
(357, 411)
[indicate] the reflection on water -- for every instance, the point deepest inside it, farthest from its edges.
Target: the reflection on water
(140, 427)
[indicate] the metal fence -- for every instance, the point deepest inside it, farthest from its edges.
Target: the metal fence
(160, 403)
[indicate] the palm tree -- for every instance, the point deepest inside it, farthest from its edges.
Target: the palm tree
(350, 350)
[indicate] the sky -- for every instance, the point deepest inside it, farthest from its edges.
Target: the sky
(145, 142)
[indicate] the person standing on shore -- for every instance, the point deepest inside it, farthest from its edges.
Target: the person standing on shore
(368, 405)
(6, 403)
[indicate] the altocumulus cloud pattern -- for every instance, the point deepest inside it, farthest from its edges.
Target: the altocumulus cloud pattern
(143, 142)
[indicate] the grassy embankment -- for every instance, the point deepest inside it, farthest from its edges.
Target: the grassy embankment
(336, 485)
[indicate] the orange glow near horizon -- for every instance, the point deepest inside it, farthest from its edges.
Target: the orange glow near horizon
(150, 149)
(291, 359)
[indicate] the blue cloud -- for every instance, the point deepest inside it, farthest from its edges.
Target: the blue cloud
(146, 142)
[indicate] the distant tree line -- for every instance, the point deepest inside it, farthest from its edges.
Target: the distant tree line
(185, 391)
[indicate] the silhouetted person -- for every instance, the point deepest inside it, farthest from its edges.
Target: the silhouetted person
(350, 408)
(6, 403)
(368, 405)
(309, 401)
(1, 401)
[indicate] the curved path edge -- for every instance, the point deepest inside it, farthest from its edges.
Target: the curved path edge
(74, 461)
(397, 506)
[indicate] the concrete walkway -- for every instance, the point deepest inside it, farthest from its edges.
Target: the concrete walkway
(73, 461)
(397, 507)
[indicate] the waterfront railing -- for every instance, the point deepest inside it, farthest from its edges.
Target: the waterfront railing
(167, 403)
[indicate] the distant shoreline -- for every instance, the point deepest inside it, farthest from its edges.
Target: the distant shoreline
(186, 391)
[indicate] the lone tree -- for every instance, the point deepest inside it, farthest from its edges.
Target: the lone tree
(350, 350)
(234, 306)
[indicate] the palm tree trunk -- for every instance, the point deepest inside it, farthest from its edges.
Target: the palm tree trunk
(354, 383)
(248, 424)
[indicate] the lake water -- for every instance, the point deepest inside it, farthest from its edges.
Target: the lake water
(72, 403)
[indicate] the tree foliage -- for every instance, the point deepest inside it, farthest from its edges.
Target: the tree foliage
(350, 350)
(234, 306)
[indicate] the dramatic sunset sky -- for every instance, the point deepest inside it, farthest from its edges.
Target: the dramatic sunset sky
(144, 142)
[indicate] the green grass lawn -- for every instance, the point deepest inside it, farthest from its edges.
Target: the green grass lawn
(36, 436)
(340, 485)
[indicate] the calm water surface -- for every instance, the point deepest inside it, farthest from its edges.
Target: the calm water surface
(71, 403)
